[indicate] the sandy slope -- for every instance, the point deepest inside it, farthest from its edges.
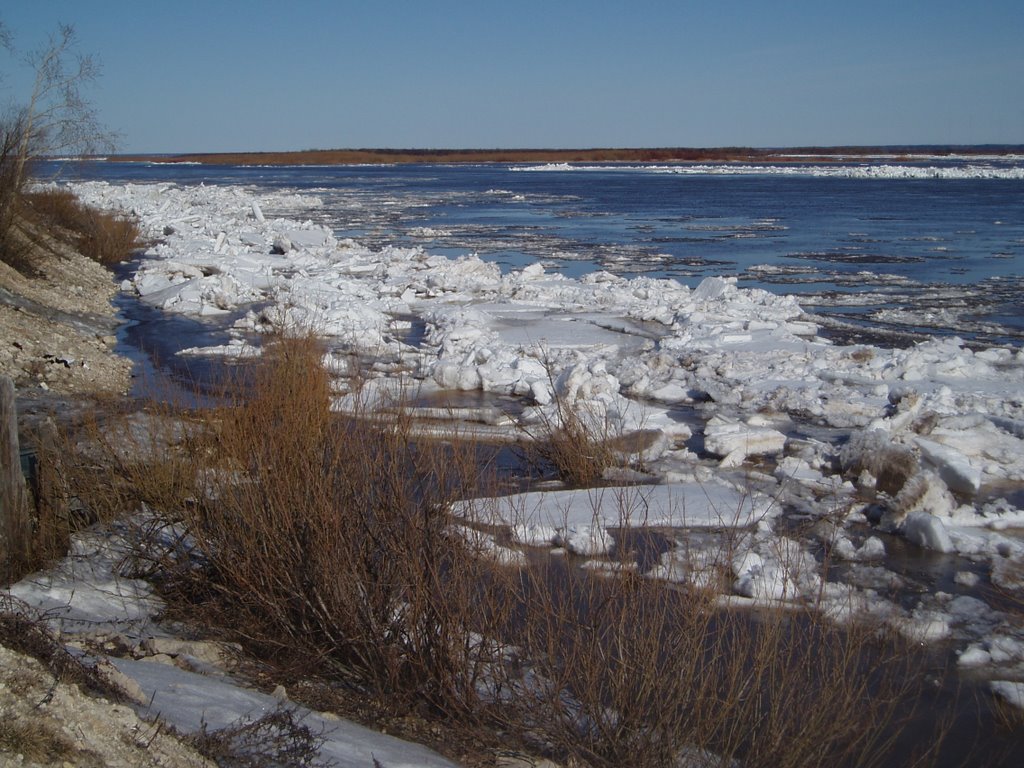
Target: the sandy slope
(57, 325)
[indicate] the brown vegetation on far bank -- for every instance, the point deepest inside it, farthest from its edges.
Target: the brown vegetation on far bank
(592, 155)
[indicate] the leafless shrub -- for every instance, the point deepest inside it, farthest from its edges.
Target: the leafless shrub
(110, 238)
(24, 629)
(579, 453)
(278, 738)
(571, 438)
(322, 540)
(53, 117)
(626, 671)
(116, 465)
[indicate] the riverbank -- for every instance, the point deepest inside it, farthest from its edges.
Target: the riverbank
(57, 322)
(593, 155)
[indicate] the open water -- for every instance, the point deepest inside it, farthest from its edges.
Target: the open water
(886, 257)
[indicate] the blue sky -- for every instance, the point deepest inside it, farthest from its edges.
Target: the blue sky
(216, 76)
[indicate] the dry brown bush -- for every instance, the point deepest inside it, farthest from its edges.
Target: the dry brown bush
(278, 738)
(625, 671)
(324, 539)
(578, 453)
(571, 440)
(323, 542)
(537, 155)
(114, 464)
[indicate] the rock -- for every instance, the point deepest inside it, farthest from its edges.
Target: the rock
(122, 682)
(206, 652)
(83, 729)
(60, 310)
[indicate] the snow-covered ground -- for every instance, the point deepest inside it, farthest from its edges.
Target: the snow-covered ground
(749, 417)
(87, 597)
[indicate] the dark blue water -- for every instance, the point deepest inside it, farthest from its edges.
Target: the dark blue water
(913, 256)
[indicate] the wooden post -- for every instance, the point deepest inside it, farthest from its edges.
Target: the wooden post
(14, 524)
(51, 517)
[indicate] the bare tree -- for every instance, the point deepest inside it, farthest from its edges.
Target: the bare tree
(54, 118)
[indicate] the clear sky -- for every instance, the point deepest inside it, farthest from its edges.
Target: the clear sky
(219, 75)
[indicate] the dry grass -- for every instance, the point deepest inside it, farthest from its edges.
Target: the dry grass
(571, 439)
(36, 740)
(107, 238)
(389, 156)
(578, 453)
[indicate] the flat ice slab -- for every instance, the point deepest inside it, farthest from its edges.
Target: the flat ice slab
(579, 519)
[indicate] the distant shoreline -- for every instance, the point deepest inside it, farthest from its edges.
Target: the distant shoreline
(661, 155)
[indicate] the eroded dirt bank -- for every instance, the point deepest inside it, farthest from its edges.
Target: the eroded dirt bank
(57, 324)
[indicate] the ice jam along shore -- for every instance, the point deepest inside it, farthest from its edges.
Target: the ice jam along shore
(858, 171)
(748, 418)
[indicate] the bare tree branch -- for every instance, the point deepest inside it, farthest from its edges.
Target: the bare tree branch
(55, 117)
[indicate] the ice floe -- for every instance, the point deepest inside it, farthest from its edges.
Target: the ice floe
(580, 520)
